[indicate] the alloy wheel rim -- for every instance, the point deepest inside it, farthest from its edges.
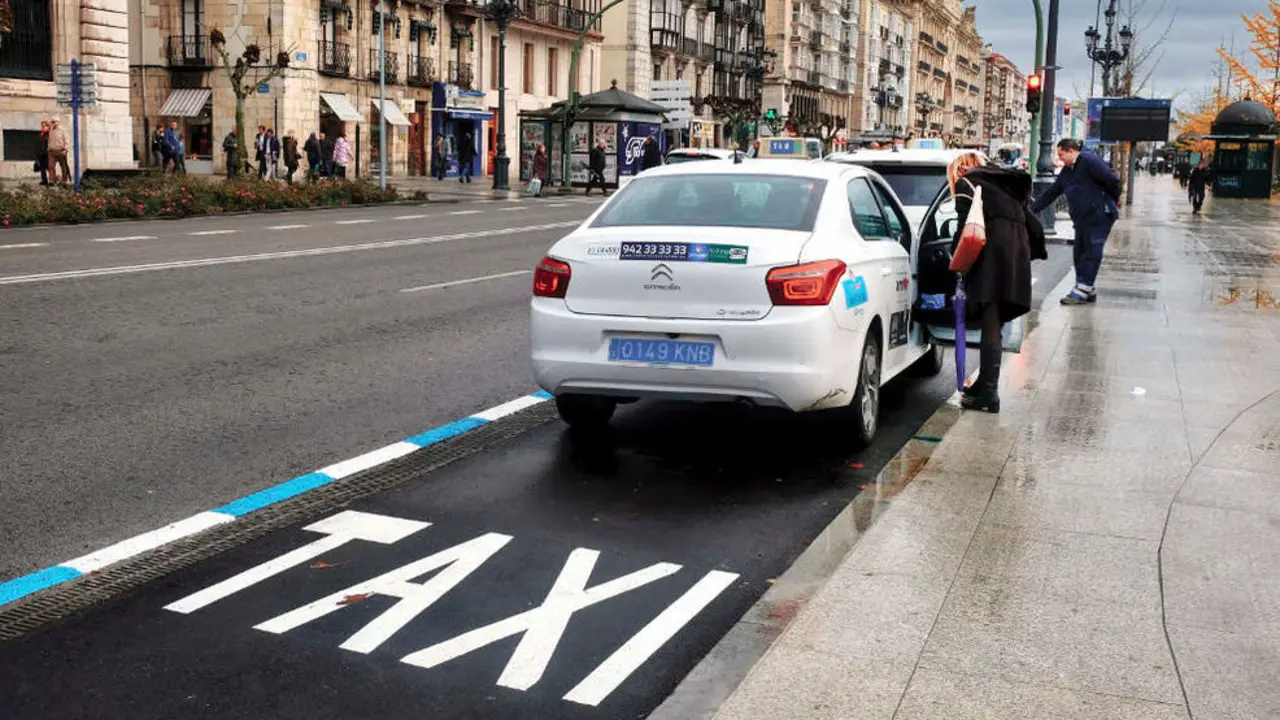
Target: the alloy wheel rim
(870, 387)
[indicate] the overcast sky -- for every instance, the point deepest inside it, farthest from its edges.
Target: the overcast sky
(1186, 57)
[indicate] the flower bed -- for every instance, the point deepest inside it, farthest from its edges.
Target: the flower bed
(176, 197)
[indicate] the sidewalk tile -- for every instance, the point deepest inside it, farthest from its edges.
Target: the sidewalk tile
(1111, 509)
(1228, 676)
(1233, 490)
(940, 695)
(1143, 473)
(794, 684)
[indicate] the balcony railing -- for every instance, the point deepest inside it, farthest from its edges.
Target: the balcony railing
(335, 59)
(422, 70)
(814, 77)
(843, 86)
(926, 38)
(191, 51)
(815, 37)
(462, 75)
(689, 46)
(846, 47)
(665, 30)
(550, 12)
(706, 52)
(924, 66)
(392, 62)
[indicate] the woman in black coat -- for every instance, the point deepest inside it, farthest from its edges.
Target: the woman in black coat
(998, 286)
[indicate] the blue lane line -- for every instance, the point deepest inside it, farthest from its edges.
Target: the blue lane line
(36, 581)
(543, 395)
(444, 432)
(272, 495)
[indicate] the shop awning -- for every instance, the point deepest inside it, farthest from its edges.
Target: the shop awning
(391, 112)
(185, 102)
(468, 114)
(341, 106)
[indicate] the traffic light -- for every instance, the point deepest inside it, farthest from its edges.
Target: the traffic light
(1034, 82)
(1066, 109)
(771, 114)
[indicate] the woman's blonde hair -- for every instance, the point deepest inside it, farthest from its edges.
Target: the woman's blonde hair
(966, 160)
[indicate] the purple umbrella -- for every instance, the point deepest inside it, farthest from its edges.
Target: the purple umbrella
(960, 333)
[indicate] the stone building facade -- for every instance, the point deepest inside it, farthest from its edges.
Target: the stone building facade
(1005, 118)
(816, 76)
(44, 34)
(886, 68)
(439, 60)
(949, 74)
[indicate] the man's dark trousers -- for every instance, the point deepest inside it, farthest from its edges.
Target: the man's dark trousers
(1090, 241)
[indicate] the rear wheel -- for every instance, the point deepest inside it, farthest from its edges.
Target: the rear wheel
(585, 412)
(866, 400)
(932, 362)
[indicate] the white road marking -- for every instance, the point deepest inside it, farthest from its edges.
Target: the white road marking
(557, 204)
(457, 562)
(409, 217)
(287, 227)
(468, 281)
(126, 238)
(541, 627)
(360, 221)
(148, 541)
(213, 232)
(512, 209)
(16, 246)
(279, 255)
(341, 529)
(464, 212)
(375, 458)
(508, 408)
(627, 659)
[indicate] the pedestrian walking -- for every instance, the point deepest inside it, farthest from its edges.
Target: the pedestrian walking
(289, 150)
(231, 147)
(312, 148)
(538, 175)
(341, 156)
(1184, 173)
(1092, 191)
(42, 153)
(652, 154)
(466, 153)
(595, 168)
(438, 162)
(59, 143)
(273, 154)
(1197, 183)
(158, 148)
(998, 284)
(260, 150)
(326, 156)
(177, 149)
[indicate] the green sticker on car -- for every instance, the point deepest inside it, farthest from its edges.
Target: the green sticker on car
(727, 254)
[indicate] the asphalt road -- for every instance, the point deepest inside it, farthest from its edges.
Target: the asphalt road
(149, 395)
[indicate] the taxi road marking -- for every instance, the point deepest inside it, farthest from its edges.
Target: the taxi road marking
(467, 281)
(540, 629)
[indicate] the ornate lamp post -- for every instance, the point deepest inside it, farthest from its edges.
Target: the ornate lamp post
(501, 12)
(1110, 55)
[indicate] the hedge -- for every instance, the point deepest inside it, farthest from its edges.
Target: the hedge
(177, 197)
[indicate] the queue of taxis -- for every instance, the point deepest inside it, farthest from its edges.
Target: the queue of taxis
(788, 283)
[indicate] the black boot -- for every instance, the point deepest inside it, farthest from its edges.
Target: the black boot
(986, 400)
(973, 388)
(983, 394)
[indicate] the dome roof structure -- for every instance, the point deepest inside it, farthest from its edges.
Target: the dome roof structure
(1244, 117)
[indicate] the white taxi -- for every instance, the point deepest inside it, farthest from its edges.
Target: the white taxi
(785, 283)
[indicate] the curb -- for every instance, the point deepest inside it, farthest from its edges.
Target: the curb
(31, 583)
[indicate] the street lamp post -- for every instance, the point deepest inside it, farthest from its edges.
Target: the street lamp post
(1110, 55)
(501, 12)
(1044, 163)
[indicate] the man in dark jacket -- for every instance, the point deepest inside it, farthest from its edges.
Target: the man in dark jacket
(652, 154)
(1196, 185)
(466, 153)
(1092, 191)
(312, 148)
(595, 168)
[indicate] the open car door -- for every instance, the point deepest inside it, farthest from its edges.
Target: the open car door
(935, 308)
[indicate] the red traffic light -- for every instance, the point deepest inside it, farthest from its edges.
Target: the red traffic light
(1033, 82)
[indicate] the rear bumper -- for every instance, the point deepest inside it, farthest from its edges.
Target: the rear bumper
(796, 358)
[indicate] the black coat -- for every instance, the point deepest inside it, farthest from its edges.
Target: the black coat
(1015, 237)
(652, 156)
(1198, 179)
(466, 151)
(596, 159)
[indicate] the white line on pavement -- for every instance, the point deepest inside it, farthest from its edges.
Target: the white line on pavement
(409, 217)
(148, 541)
(468, 281)
(557, 204)
(361, 221)
(287, 227)
(16, 246)
(125, 238)
(213, 232)
(464, 212)
(279, 255)
(512, 209)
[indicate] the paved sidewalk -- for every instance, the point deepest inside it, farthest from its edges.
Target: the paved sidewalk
(1106, 547)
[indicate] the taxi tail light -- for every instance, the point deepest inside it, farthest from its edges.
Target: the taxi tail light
(806, 284)
(551, 278)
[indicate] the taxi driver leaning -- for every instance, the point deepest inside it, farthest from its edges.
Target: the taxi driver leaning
(1092, 191)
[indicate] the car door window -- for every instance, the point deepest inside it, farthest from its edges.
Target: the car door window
(897, 222)
(864, 207)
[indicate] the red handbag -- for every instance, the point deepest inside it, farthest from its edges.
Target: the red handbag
(973, 236)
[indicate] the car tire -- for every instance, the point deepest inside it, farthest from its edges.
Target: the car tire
(932, 362)
(585, 412)
(866, 399)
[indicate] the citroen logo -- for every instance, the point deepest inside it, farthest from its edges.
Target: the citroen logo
(661, 271)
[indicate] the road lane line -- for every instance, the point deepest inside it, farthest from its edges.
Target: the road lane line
(20, 587)
(557, 204)
(213, 232)
(360, 221)
(278, 255)
(287, 227)
(509, 408)
(409, 217)
(468, 281)
(16, 246)
(464, 212)
(147, 541)
(126, 238)
(512, 209)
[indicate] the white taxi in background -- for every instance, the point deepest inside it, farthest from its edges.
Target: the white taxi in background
(785, 283)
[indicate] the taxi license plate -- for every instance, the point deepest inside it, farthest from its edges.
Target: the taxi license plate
(662, 352)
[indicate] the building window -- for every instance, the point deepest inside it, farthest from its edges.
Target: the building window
(192, 18)
(528, 68)
(27, 52)
(553, 71)
(493, 62)
(657, 71)
(21, 145)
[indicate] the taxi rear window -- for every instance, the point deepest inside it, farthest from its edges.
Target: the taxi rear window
(773, 202)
